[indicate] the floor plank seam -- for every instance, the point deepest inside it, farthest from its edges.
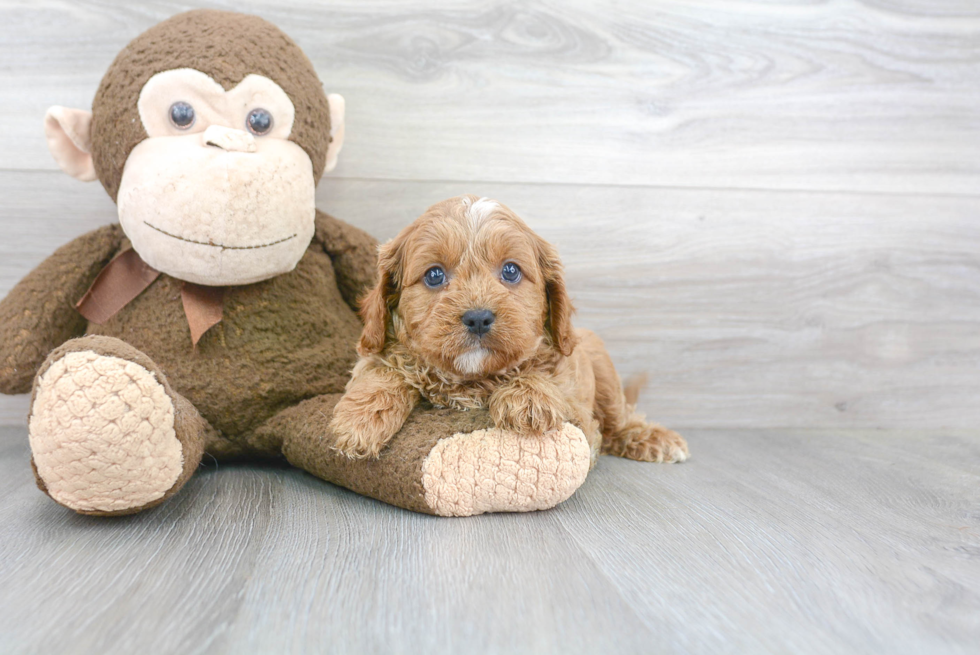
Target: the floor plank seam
(660, 187)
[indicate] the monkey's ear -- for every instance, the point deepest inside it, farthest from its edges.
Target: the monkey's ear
(69, 133)
(336, 104)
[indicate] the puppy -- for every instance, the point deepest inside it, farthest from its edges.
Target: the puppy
(470, 311)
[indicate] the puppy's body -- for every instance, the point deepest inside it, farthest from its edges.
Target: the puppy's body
(450, 321)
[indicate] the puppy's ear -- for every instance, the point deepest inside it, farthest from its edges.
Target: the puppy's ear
(376, 304)
(559, 320)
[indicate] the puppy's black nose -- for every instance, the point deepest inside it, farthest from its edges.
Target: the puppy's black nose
(478, 321)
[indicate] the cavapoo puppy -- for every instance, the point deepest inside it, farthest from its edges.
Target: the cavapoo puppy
(470, 311)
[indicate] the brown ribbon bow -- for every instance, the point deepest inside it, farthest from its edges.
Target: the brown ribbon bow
(127, 276)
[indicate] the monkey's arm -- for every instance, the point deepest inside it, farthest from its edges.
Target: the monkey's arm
(354, 253)
(442, 461)
(38, 314)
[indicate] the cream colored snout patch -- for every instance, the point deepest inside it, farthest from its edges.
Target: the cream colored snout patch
(218, 217)
(228, 139)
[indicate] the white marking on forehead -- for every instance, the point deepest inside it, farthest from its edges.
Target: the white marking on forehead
(480, 210)
(471, 362)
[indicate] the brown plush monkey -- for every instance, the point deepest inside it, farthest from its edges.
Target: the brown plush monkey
(218, 315)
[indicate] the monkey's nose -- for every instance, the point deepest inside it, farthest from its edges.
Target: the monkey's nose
(478, 321)
(229, 139)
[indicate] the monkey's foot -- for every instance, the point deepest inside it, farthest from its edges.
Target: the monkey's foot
(494, 470)
(102, 434)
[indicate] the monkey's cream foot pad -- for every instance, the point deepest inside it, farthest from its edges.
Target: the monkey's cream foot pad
(497, 471)
(102, 433)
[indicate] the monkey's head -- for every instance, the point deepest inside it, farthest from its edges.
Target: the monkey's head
(210, 131)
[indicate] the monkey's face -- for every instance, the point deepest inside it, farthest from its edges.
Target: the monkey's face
(210, 130)
(217, 194)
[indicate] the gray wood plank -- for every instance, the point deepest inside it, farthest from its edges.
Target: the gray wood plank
(748, 308)
(766, 541)
(873, 96)
(815, 540)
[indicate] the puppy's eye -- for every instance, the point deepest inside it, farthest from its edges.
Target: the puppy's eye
(511, 272)
(181, 115)
(259, 121)
(434, 277)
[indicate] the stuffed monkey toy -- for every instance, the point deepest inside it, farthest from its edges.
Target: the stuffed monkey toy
(218, 316)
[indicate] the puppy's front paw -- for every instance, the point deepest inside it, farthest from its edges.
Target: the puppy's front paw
(359, 442)
(362, 430)
(529, 406)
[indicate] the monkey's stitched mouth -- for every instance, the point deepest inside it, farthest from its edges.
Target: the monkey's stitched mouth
(218, 245)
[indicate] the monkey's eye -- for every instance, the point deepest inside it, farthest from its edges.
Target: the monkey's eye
(259, 121)
(511, 272)
(434, 277)
(181, 115)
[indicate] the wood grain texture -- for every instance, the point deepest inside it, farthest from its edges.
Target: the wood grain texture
(766, 541)
(750, 307)
(747, 308)
(807, 94)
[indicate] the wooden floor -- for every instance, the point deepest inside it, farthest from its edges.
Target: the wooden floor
(771, 207)
(766, 541)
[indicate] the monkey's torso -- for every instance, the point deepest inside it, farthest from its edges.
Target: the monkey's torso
(279, 342)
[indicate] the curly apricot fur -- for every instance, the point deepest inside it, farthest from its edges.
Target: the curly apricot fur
(532, 370)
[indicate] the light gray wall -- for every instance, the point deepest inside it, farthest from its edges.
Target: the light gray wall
(772, 208)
